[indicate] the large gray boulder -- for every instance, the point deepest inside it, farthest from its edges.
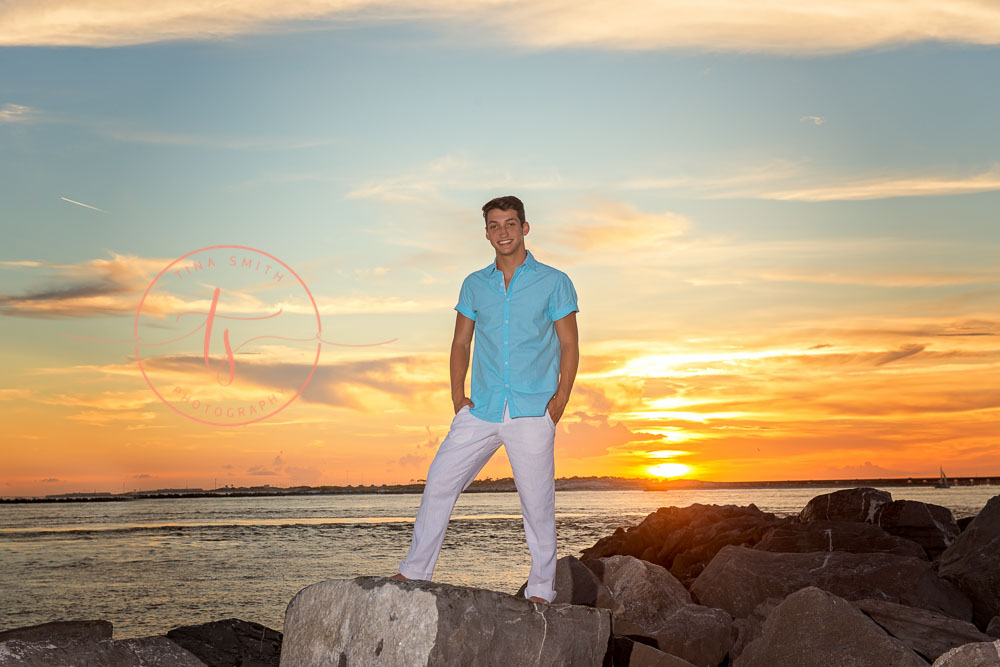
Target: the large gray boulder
(655, 604)
(929, 634)
(973, 563)
(813, 627)
(738, 579)
(860, 504)
(379, 621)
(981, 654)
(852, 536)
(645, 591)
(931, 526)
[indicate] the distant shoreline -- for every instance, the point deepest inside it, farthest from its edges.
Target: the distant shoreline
(505, 485)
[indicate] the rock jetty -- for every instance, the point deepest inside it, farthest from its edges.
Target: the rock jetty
(855, 579)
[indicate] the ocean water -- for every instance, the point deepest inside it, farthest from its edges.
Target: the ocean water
(151, 565)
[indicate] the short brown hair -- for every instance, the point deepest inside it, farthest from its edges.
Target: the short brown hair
(507, 203)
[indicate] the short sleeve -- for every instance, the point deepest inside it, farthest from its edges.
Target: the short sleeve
(562, 300)
(466, 305)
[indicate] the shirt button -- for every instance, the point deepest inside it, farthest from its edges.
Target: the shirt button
(506, 321)
(505, 363)
(506, 385)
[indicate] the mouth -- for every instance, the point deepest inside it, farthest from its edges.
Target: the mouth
(508, 242)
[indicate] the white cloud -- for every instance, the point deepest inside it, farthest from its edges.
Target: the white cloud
(790, 181)
(886, 187)
(424, 183)
(17, 113)
(716, 25)
(815, 120)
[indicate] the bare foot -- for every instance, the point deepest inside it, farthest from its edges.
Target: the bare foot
(535, 598)
(399, 575)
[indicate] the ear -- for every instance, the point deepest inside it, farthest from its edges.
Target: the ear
(525, 228)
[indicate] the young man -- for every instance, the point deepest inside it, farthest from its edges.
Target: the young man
(523, 314)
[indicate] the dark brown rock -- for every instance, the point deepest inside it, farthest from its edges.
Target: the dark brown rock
(860, 504)
(927, 633)
(230, 642)
(577, 584)
(738, 579)
(626, 652)
(931, 526)
(973, 563)
(859, 538)
(684, 540)
(378, 621)
(993, 629)
(814, 627)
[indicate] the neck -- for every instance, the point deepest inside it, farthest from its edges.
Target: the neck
(509, 263)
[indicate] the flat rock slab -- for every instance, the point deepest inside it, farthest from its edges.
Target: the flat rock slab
(813, 627)
(738, 579)
(145, 652)
(852, 536)
(380, 621)
(61, 632)
(981, 654)
(973, 562)
(926, 632)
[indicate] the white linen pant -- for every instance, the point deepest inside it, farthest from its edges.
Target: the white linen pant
(470, 443)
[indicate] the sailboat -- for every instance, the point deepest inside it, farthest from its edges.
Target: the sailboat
(943, 482)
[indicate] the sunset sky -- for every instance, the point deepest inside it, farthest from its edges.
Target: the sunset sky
(782, 221)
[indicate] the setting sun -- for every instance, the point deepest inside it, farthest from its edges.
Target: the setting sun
(668, 470)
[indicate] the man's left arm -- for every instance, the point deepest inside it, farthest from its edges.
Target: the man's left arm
(569, 360)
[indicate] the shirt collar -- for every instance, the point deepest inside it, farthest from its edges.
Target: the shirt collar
(529, 263)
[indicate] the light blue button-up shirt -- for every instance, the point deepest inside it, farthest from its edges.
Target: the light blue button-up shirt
(516, 355)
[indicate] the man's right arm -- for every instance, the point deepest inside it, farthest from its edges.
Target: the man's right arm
(461, 348)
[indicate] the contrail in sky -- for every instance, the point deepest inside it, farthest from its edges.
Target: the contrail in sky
(84, 205)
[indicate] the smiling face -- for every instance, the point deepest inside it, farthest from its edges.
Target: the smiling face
(505, 231)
